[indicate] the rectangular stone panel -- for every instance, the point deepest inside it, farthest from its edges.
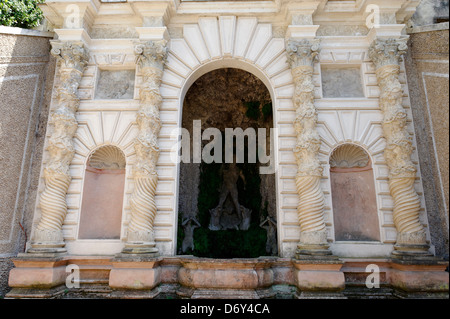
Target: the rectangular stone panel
(115, 84)
(101, 211)
(341, 82)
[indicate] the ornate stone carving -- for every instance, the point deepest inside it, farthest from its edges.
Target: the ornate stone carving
(349, 155)
(313, 240)
(107, 157)
(270, 225)
(72, 59)
(189, 225)
(411, 238)
(151, 57)
(229, 214)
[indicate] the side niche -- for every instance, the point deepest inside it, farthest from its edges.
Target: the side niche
(104, 182)
(353, 194)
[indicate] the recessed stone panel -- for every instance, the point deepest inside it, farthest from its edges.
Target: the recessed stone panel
(115, 84)
(341, 82)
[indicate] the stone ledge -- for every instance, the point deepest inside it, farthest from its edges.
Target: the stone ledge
(214, 278)
(25, 32)
(429, 28)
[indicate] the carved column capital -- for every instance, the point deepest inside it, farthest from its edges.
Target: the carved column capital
(151, 54)
(302, 52)
(71, 55)
(387, 52)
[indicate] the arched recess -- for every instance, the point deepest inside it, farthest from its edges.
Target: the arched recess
(240, 43)
(353, 191)
(103, 193)
(260, 75)
(218, 101)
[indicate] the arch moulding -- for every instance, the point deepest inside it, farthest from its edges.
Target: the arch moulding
(242, 43)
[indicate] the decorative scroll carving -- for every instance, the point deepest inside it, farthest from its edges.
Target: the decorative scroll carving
(270, 225)
(72, 59)
(151, 57)
(313, 240)
(411, 238)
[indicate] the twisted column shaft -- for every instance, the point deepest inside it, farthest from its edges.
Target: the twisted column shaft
(72, 59)
(151, 57)
(313, 237)
(411, 236)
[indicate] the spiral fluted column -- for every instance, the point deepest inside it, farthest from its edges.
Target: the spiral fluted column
(72, 59)
(411, 235)
(151, 58)
(313, 236)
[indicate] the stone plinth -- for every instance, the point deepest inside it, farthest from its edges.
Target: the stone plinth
(230, 278)
(319, 278)
(419, 279)
(135, 273)
(38, 272)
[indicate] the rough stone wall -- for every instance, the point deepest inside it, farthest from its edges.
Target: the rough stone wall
(428, 79)
(26, 76)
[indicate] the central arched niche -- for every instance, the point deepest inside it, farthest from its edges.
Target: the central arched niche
(226, 98)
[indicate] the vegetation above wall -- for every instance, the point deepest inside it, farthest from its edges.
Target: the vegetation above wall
(20, 13)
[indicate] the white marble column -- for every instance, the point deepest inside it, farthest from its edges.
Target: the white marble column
(151, 57)
(313, 236)
(411, 235)
(72, 59)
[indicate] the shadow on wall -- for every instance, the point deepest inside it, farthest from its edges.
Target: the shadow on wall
(26, 79)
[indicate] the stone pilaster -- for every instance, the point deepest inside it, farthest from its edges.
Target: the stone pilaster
(411, 235)
(72, 59)
(151, 57)
(313, 238)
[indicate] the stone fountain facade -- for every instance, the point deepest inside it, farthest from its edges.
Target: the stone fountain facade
(334, 78)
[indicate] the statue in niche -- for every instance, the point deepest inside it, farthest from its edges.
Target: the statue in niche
(270, 225)
(189, 225)
(229, 214)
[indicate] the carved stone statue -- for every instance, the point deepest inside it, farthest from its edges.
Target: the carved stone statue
(270, 225)
(189, 225)
(229, 214)
(229, 186)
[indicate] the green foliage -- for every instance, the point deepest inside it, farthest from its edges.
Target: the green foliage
(20, 13)
(267, 110)
(252, 110)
